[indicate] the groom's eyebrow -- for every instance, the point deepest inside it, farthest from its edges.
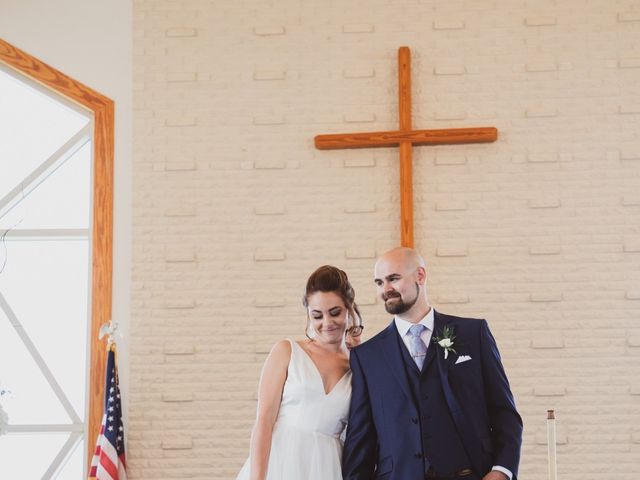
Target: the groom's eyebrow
(391, 276)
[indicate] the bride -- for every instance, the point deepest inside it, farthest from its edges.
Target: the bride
(305, 389)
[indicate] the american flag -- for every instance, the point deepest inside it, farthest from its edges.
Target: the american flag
(108, 461)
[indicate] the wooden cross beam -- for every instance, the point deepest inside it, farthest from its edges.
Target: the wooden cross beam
(406, 138)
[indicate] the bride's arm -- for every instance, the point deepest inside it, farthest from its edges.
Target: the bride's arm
(274, 374)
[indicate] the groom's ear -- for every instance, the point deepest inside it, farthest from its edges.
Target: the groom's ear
(421, 274)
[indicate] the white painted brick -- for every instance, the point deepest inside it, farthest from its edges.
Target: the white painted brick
(361, 251)
(540, 20)
(633, 341)
(359, 72)
(632, 244)
(547, 341)
(542, 157)
(447, 159)
(181, 32)
(269, 164)
(545, 250)
(451, 205)
(629, 63)
(543, 297)
(269, 75)
(359, 162)
(360, 207)
(629, 109)
(180, 121)
(450, 114)
(629, 16)
(635, 389)
(180, 304)
(175, 442)
(631, 200)
(180, 255)
(178, 349)
(542, 66)
(632, 295)
(269, 254)
(448, 24)
(449, 70)
(177, 396)
(179, 77)
(630, 153)
(452, 299)
(358, 28)
(541, 112)
(359, 117)
(452, 251)
(365, 300)
(268, 301)
(270, 209)
(549, 391)
(269, 31)
(545, 203)
(180, 212)
(180, 166)
(268, 119)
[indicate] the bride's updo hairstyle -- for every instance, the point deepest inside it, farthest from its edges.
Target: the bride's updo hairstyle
(328, 278)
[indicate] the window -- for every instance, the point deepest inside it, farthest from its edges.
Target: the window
(56, 157)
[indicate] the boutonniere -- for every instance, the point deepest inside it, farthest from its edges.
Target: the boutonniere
(446, 341)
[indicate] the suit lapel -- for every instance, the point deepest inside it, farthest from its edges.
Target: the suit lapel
(393, 355)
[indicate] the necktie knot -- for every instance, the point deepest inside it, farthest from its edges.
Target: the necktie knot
(416, 330)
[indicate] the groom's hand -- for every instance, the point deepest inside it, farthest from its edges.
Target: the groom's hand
(495, 475)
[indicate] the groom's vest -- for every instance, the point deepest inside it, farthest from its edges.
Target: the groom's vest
(442, 448)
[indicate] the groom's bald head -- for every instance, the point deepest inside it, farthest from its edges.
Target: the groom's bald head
(407, 257)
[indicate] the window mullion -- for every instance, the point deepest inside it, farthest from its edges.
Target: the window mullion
(35, 178)
(4, 305)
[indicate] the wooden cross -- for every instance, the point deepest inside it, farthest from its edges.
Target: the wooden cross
(406, 138)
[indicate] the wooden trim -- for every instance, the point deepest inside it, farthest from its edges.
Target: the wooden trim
(393, 138)
(102, 229)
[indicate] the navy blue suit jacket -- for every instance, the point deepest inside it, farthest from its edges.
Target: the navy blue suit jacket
(381, 442)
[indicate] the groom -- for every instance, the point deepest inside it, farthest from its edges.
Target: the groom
(430, 397)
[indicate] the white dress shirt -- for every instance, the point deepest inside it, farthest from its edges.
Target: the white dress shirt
(403, 329)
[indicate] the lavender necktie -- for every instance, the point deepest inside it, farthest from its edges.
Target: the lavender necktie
(418, 347)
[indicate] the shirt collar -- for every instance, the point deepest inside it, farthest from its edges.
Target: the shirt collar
(403, 326)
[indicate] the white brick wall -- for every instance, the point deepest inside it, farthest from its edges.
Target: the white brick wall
(233, 207)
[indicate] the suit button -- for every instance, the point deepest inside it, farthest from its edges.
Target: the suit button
(418, 455)
(414, 420)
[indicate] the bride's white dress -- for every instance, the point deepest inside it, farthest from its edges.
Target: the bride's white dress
(306, 441)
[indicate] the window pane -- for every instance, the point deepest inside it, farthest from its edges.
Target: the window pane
(32, 127)
(73, 467)
(29, 455)
(63, 200)
(32, 401)
(46, 284)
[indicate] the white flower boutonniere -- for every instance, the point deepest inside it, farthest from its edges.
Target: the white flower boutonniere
(446, 341)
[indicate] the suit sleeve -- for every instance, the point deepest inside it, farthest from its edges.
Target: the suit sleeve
(359, 455)
(506, 424)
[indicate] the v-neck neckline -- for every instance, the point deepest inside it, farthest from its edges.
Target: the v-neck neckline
(315, 368)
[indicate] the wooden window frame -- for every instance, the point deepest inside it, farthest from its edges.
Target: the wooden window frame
(102, 228)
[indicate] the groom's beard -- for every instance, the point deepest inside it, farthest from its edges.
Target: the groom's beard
(400, 306)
